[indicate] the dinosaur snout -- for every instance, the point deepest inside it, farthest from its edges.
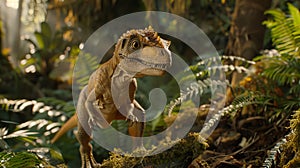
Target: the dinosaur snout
(156, 55)
(166, 53)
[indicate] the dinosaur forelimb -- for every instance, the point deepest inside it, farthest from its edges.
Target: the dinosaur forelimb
(95, 115)
(136, 128)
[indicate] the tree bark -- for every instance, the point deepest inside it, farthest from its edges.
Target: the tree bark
(246, 33)
(15, 48)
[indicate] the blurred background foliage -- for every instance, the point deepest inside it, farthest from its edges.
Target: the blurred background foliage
(41, 39)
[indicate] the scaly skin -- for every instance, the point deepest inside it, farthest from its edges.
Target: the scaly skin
(137, 53)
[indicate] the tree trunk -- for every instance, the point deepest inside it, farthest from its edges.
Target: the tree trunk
(246, 33)
(15, 48)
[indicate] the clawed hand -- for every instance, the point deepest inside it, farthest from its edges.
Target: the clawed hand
(95, 115)
(130, 116)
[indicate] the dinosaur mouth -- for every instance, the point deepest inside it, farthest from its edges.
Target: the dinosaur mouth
(158, 66)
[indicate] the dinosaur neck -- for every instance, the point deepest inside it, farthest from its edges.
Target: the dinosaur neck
(120, 83)
(114, 62)
(121, 77)
(111, 66)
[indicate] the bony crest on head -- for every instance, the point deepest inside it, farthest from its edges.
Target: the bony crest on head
(136, 39)
(150, 28)
(143, 52)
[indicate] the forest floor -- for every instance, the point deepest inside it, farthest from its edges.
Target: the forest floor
(243, 141)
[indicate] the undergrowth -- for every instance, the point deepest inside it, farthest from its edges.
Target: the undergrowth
(270, 92)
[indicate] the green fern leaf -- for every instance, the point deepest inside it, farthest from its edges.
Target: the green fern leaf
(20, 159)
(295, 14)
(285, 30)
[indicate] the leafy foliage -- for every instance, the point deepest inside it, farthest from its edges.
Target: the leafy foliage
(285, 66)
(88, 63)
(46, 120)
(203, 85)
(195, 89)
(20, 135)
(282, 67)
(35, 158)
(50, 59)
(285, 30)
(45, 49)
(271, 87)
(272, 91)
(21, 159)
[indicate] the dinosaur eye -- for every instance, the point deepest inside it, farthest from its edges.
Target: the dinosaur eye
(135, 44)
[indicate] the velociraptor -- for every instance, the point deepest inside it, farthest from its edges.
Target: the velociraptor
(111, 88)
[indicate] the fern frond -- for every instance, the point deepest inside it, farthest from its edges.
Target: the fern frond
(290, 104)
(213, 60)
(285, 71)
(239, 102)
(267, 54)
(39, 124)
(233, 58)
(20, 159)
(33, 105)
(22, 134)
(273, 154)
(285, 30)
(19, 133)
(295, 89)
(210, 65)
(216, 117)
(19, 105)
(86, 64)
(194, 89)
(227, 68)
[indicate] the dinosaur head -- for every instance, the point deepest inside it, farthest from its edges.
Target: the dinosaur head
(142, 52)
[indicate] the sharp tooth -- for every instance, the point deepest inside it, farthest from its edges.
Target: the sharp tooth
(157, 66)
